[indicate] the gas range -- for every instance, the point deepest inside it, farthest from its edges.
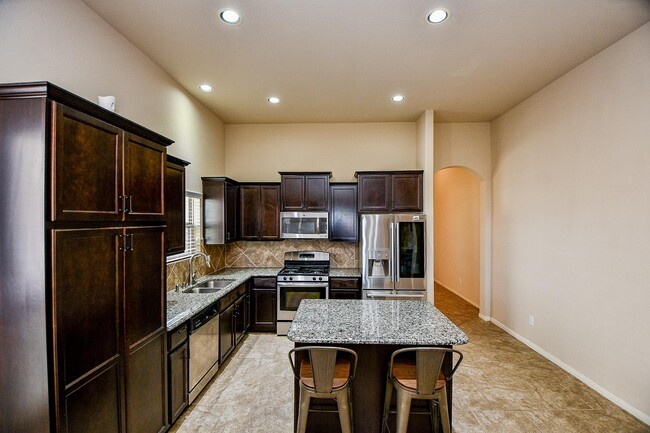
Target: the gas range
(305, 276)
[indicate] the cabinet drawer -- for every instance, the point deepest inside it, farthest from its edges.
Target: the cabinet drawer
(264, 282)
(345, 283)
(176, 337)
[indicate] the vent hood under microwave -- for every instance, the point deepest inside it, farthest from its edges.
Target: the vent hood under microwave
(303, 225)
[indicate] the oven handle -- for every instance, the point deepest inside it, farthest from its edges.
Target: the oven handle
(303, 284)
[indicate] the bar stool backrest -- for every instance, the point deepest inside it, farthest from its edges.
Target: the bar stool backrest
(428, 364)
(323, 364)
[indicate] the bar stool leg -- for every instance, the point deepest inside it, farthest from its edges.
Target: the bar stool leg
(345, 416)
(444, 411)
(403, 410)
(433, 407)
(387, 398)
(303, 411)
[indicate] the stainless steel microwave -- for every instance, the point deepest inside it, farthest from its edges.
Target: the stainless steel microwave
(303, 225)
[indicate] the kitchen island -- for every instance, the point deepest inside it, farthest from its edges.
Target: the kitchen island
(373, 329)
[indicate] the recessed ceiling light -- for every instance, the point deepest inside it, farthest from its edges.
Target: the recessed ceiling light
(274, 100)
(397, 98)
(437, 16)
(206, 88)
(230, 16)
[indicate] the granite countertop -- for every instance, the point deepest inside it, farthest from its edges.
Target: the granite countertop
(182, 306)
(344, 321)
(345, 272)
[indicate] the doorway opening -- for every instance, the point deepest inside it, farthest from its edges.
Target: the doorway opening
(458, 233)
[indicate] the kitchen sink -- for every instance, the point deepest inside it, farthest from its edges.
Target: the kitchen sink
(204, 290)
(210, 286)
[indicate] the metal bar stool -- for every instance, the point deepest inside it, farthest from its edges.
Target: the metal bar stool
(324, 374)
(418, 377)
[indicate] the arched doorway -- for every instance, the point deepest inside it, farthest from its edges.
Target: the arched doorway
(458, 234)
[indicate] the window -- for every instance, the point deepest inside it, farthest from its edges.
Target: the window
(193, 214)
(192, 222)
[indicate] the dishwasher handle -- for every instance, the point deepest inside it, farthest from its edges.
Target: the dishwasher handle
(202, 318)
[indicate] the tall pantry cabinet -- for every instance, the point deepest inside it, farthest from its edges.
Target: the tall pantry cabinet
(82, 266)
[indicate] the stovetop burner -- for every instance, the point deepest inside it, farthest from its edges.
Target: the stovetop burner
(305, 265)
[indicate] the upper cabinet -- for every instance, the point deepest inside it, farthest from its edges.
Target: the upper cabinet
(305, 191)
(175, 205)
(343, 220)
(220, 210)
(390, 191)
(259, 211)
(102, 172)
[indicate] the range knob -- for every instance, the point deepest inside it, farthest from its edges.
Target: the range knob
(320, 278)
(290, 278)
(313, 278)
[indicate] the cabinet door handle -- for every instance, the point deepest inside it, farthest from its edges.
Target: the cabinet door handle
(122, 203)
(130, 203)
(131, 243)
(120, 243)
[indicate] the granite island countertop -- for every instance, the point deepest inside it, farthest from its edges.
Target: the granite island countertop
(182, 306)
(345, 321)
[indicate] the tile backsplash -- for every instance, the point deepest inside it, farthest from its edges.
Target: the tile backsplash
(251, 254)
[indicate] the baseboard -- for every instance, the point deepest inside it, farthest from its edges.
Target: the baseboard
(643, 417)
(457, 294)
(485, 318)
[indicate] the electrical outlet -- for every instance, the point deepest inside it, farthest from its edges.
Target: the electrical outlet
(531, 320)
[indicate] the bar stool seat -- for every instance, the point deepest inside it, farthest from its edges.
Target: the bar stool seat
(341, 374)
(404, 372)
(326, 372)
(416, 373)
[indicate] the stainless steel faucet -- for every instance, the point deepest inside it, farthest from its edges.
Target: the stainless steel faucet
(190, 278)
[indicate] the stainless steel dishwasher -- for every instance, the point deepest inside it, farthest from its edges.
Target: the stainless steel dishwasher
(204, 349)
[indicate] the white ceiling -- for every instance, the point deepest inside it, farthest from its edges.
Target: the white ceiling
(342, 60)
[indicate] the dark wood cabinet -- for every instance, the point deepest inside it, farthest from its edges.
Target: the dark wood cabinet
(343, 217)
(178, 372)
(232, 320)
(345, 288)
(226, 333)
(392, 191)
(103, 173)
(175, 205)
(146, 386)
(259, 211)
(220, 210)
(89, 348)
(263, 307)
(73, 173)
(304, 191)
(239, 319)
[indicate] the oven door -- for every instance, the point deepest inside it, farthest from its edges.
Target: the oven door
(290, 295)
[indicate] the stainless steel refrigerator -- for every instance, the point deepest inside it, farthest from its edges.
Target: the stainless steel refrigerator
(393, 256)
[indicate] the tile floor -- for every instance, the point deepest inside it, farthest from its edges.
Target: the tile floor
(254, 390)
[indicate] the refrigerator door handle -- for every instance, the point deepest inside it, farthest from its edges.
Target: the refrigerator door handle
(392, 251)
(396, 250)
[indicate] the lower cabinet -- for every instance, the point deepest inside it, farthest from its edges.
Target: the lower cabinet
(178, 367)
(345, 288)
(226, 333)
(146, 387)
(232, 320)
(263, 308)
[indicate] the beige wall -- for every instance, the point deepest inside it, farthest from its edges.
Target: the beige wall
(464, 145)
(258, 152)
(457, 234)
(66, 43)
(424, 150)
(571, 221)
